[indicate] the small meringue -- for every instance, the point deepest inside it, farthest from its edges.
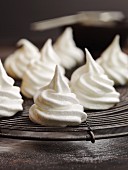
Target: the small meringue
(48, 54)
(40, 72)
(55, 105)
(115, 63)
(92, 86)
(66, 49)
(10, 98)
(16, 63)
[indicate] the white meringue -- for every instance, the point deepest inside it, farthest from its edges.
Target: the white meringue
(16, 63)
(10, 98)
(115, 63)
(48, 54)
(55, 105)
(92, 87)
(40, 72)
(48, 50)
(66, 49)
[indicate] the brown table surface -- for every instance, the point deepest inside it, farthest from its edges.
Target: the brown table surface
(107, 154)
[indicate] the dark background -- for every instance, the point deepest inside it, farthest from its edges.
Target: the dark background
(16, 15)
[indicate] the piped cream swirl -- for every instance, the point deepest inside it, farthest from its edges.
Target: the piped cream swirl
(115, 63)
(16, 63)
(10, 98)
(92, 86)
(55, 105)
(65, 47)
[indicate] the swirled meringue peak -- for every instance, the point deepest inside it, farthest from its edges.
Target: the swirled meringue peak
(92, 86)
(55, 105)
(10, 98)
(49, 54)
(66, 49)
(16, 63)
(40, 72)
(48, 50)
(115, 63)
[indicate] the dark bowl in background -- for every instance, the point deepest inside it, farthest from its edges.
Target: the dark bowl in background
(96, 39)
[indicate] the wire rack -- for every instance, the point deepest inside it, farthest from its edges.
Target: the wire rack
(100, 124)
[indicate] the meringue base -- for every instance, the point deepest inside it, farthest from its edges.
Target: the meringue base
(98, 107)
(35, 114)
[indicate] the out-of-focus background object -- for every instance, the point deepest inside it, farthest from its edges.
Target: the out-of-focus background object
(85, 18)
(16, 18)
(92, 29)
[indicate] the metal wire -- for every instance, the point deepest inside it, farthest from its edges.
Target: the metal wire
(100, 124)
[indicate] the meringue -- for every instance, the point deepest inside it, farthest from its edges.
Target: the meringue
(10, 98)
(48, 50)
(50, 54)
(65, 47)
(40, 72)
(16, 63)
(55, 105)
(115, 63)
(92, 86)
